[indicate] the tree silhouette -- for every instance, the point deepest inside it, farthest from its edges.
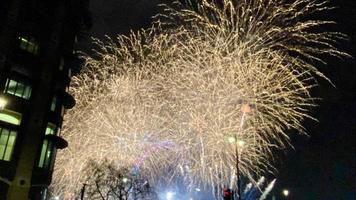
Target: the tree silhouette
(107, 182)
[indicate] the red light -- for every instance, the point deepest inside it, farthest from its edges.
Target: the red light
(227, 192)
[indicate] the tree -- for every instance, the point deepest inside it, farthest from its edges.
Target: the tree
(107, 182)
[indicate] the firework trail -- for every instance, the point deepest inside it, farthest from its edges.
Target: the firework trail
(147, 153)
(189, 80)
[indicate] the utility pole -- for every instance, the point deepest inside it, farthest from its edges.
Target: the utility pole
(82, 192)
(245, 108)
(238, 189)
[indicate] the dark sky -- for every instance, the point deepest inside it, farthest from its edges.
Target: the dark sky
(321, 166)
(120, 16)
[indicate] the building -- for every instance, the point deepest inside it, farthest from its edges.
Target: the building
(37, 59)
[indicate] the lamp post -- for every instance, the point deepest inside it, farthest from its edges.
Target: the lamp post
(238, 144)
(82, 192)
(245, 108)
(285, 193)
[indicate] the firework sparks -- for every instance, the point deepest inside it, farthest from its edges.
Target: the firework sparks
(169, 98)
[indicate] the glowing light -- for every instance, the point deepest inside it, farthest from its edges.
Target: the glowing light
(124, 180)
(3, 102)
(245, 108)
(241, 143)
(285, 192)
(165, 100)
(231, 139)
(170, 195)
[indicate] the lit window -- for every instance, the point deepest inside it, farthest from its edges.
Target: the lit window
(54, 103)
(47, 148)
(29, 45)
(51, 129)
(44, 194)
(7, 143)
(17, 89)
(46, 154)
(10, 117)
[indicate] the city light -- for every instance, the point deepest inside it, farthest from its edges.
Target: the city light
(285, 192)
(3, 102)
(231, 139)
(240, 143)
(170, 195)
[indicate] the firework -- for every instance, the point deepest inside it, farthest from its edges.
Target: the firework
(168, 100)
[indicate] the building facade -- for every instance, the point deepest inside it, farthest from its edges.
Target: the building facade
(37, 60)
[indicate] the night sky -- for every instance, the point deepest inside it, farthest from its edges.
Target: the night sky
(322, 166)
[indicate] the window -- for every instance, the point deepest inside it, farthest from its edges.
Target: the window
(29, 45)
(47, 150)
(44, 192)
(17, 89)
(46, 154)
(10, 117)
(7, 143)
(51, 129)
(54, 103)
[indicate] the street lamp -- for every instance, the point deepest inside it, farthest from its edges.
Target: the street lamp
(245, 108)
(231, 139)
(285, 193)
(124, 180)
(237, 156)
(238, 145)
